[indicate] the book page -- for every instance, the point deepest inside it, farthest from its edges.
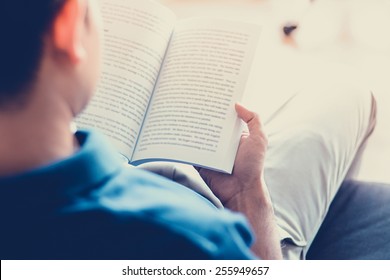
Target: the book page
(136, 34)
(192, 116)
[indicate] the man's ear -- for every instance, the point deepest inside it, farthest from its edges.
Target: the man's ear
(68, 30)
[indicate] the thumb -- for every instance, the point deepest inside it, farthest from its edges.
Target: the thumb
(250, 118)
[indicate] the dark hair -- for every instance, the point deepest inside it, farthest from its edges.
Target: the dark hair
(23, 24)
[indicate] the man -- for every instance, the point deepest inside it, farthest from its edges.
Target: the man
(66, 197)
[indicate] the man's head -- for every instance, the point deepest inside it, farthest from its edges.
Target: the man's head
(47, 44)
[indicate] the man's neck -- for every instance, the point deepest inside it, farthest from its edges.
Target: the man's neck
(34, 137)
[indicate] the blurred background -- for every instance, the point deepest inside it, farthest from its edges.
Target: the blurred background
(312, 42)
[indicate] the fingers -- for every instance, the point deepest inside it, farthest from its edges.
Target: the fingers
(250, 118)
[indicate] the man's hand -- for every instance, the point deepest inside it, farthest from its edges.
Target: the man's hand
(249, 164)
(245, 190)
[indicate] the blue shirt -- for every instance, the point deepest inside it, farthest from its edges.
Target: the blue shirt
(90, 206)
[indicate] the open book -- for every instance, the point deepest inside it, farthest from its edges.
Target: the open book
(168, 87)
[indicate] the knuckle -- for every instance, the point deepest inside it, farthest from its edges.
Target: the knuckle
(256, 117)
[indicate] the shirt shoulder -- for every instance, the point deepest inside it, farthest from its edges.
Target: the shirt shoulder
(154, 213)
(88, 206)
